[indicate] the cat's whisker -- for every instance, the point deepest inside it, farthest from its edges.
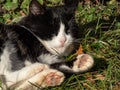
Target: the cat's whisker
(56, 51)
(76, 41)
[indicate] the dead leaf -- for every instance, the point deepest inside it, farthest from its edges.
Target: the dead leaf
(8, 21)
(22, 13)
(100, 77)
(80, 50)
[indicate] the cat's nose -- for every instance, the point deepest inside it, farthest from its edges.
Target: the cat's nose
(62, 41)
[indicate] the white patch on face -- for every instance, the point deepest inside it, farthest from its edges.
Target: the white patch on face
(60, 44)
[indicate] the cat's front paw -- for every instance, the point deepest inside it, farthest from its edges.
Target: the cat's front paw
(83, 63)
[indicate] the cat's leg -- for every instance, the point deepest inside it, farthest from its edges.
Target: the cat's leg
(48, 77)
(83, 63)
(36, 73)
(23, 74)
(55, 62)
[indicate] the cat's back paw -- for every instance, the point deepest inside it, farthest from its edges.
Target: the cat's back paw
(83, 63)
(53, 78)
(46, 78)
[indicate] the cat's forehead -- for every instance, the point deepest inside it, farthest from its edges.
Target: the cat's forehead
(57, 11)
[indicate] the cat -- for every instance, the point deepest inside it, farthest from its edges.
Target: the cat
(32, 50)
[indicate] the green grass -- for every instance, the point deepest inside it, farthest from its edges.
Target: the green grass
(100, 37)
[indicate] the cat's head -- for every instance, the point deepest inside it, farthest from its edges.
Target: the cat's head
(55, 26)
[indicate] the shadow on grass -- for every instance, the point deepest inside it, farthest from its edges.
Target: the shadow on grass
(100, 64)
(104, 26)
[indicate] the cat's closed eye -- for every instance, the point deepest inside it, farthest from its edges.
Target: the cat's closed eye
(55, 21)
(67, 29)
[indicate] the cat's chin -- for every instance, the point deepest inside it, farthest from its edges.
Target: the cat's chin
(63, 51)
(58, 49)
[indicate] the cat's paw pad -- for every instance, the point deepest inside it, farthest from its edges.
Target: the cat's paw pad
(53, 78)
(83, 63)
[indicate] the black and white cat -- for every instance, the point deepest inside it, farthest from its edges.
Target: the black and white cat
(31, 51)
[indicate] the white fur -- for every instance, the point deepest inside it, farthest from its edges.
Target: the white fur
(60, 44)
(48, 59)
(27, 63)
(5, 63)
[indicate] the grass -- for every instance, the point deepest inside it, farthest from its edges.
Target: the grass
(100, 37)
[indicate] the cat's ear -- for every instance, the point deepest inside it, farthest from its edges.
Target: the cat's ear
(36, 8)
(71, 3)
(71, 6)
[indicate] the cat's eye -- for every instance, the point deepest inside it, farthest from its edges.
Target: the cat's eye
(68, 31)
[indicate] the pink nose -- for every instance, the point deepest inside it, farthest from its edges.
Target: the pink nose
(62, 41)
